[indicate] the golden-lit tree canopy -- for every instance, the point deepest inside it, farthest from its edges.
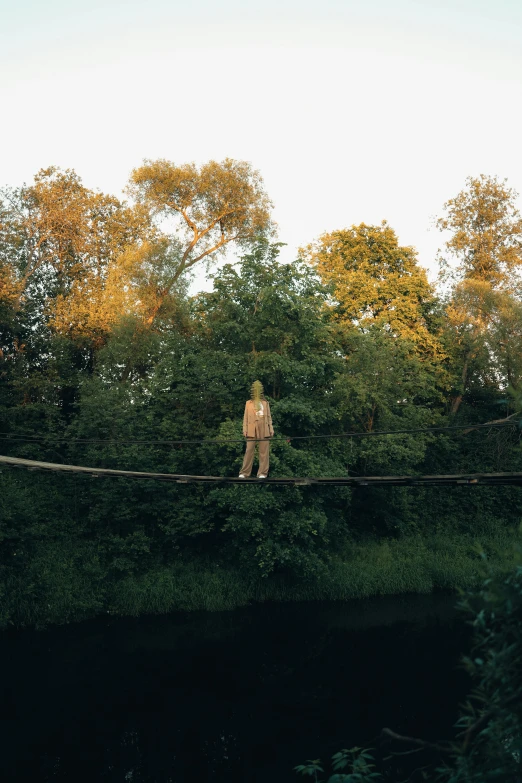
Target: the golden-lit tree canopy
(9, 285)
(137, 283)
(61, 244)
(216, 204)
(486, 233)
(60, 230)
(375, 282)
(91, 259)
(482, 258)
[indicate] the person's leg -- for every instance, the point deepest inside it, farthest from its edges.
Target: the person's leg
(248, 459)
(264, 452)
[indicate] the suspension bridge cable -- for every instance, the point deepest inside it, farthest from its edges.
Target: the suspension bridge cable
(287, 438)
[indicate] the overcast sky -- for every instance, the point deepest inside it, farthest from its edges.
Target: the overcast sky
(352, 111)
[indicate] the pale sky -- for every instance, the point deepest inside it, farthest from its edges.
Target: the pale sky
(352, 111)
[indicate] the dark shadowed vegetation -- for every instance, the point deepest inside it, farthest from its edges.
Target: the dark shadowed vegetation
(100, 341)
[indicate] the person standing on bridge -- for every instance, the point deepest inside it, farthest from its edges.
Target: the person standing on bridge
(257, 428)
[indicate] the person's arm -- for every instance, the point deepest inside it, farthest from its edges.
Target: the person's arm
(245, 420)
(269, 419)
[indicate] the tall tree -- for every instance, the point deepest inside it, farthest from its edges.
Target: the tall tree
(57, 230)
(482, 260)
(59, 242)
(58, 239)
(209, 208)
(376, 283)
(486, 234)
(272, 315)
(136, 284)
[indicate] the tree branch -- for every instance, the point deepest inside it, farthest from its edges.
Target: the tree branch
(189, 221)
(208, 252)
(6, 195)
(485, 718)
(419, 743)
(203, 232)
(493, 421)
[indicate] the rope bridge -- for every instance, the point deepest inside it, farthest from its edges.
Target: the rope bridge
(354, 481)
(465, 428)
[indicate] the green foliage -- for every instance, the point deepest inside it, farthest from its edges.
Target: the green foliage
(102, 351)
(61, 581)
(377, 283)
(491, 724)
(488, 745)
(357, 760)
(486, 228)
(189, 377)
(57, 582)
(183, 586)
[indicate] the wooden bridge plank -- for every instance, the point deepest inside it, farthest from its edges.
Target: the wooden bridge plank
(461, 479)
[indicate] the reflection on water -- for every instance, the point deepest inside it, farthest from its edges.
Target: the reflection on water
(231, 696)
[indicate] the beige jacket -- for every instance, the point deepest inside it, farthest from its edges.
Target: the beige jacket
(249, 420)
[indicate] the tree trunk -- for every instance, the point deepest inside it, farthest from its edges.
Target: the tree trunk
(126, 371)
(458, 399)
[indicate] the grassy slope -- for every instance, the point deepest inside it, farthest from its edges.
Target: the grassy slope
(408, 565)
(71, 585)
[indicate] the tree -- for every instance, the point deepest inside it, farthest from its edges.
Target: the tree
(482, 260)
(273, 315)
(211, 207)
(376, 282)
(486, 238)
(136, 284)
(491, 722)
(57, 230)
(267, 320)
(58, 240)
(62, 285)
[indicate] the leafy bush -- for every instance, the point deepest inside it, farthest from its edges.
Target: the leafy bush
(491, 724)
(488, 746)
(357, 760)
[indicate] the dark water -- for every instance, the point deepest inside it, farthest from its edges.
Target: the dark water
(229, 696)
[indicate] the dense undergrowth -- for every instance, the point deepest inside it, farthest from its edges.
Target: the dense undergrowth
(487, 742)
(71, 584)
(105, 360)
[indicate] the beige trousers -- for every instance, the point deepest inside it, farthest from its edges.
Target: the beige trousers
(264, 450)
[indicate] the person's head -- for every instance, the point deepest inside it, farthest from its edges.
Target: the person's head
(257, 393)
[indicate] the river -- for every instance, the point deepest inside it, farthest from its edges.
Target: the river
(228, 696)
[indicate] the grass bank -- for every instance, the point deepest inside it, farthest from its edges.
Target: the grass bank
(409, 565)
(67, 583)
